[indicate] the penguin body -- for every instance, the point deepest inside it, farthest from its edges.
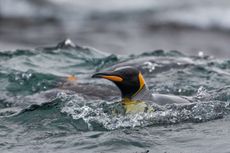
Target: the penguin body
(136, 96)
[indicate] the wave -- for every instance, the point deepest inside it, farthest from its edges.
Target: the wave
(60, 60)
(33, 84)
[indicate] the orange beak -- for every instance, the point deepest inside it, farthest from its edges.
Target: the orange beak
(108, 76)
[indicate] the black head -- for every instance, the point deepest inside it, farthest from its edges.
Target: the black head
(128, 79)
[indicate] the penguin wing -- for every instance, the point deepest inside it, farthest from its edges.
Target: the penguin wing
(161, 99)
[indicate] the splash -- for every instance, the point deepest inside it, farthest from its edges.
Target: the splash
(94, 115)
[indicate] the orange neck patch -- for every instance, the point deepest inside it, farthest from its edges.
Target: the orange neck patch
(142, 83)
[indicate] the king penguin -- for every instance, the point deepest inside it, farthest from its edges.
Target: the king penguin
(135, 94)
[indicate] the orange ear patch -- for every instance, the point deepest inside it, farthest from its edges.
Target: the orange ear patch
(141, 80)
(113, 78)
(142, 83)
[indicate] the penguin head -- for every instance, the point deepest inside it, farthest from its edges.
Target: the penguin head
(128, 79)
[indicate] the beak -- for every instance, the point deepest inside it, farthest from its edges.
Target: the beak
(109, 76)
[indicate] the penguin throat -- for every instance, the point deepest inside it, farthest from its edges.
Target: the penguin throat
(132, 106)
(140, 95)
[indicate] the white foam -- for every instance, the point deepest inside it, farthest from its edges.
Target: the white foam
(69, 42)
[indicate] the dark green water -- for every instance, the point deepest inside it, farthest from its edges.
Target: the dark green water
(41, 112)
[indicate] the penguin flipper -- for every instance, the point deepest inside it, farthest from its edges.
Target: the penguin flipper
(162, 99)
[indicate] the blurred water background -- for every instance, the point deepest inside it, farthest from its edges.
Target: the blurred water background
(117, 26)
